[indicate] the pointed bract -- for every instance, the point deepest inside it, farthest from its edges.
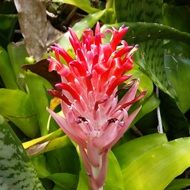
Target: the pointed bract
(93, 116)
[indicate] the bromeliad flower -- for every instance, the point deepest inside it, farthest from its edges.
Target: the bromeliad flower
(93, 116)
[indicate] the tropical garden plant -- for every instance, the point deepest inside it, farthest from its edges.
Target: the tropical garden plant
(94, 95)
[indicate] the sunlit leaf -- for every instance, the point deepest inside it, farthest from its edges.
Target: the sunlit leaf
(47, 146)
(37, 89)
(85, 5)
(17, 53)
(16, 106)
(42, 139)
(160, 165)
(130, 151)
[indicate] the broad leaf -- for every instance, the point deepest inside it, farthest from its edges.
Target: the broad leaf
(37, 89)
(65, 160)
(177, 123)
(65, 181)
(16, 106)
(178, 69)
(17, 171)
(145, 82)
(130, 151)
(17, 54)
(159, 165)
(85, 5)
(148, 106)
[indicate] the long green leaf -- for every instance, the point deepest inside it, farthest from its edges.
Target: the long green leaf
(6, 70)
(16, 106)
(143, 31)
(177, 69)
(65, 181)
(177, 123)
(130, 151)
(17, 171)
(156, 168)
(17, 53)
(114, 178)
(37, 89)
(43, 139)
(47, 146)
(84, 5)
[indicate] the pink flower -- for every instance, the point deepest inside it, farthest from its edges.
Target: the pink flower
(93, 116)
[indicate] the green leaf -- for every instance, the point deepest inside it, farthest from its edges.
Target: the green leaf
(150, 55)
(138, 10)
(47, 146)
(177, 69)
(85, 5)
(6, 70)
(114, 178)
(37, 89)
(177, 16)
(83, 181)
(145, 82)
(56, 187)
(130, 151)
(42, 139)
(159, 165)
(88, 22)
(16, 106)
(178, 125)
(178, 184)
(65, 181)
(65, 160)
(39, 163)
(148, 105)
(17, 53)
(143, 31)
(16, 170)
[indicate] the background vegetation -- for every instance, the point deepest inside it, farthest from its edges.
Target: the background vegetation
(153, 154)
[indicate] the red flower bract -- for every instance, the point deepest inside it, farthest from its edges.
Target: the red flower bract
(93, 116)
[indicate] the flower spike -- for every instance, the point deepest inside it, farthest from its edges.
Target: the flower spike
(94, 118)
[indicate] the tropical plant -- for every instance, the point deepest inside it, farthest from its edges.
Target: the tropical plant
(155, 151)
